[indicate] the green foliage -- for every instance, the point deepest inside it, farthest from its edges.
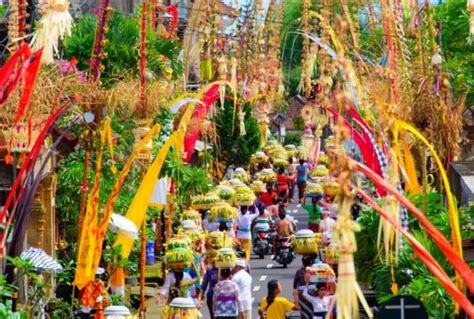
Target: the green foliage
(411, 274)
(6, 290)
(6, 311)
(122, 49)
(457, 52)
(190, 180)
(298, 123)
(60, 309)
(70, 174)
(293, 138)
(235, 148)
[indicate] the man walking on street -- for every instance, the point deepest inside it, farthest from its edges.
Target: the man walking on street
(301, 178)
(244, 281)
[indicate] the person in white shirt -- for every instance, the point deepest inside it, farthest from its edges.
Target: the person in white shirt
(321, 302)
(181, 281)
(327, 223)
(244, 232)
(244, 281)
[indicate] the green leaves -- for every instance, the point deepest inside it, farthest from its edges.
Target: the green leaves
(235, 148)
(122, 49)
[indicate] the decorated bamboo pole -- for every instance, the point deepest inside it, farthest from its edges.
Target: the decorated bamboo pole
(458, 263)
(424, 255)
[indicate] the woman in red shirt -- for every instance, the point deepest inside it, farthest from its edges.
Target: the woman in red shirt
(283, 181)
(268, 196)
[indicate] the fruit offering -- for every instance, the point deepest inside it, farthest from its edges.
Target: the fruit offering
(178, 258)
(182, 308)
(259, 157)
(330, 254)
(313, 189)
(225, 258)
(225, 192)
(323, 159)
(320, 171)
(244, 196)
(241, 175)
(219, 239)
(267, 176)
(205, 201)
(280, 162)
(305, 242)
(331, 188)
(222, 212)
(191, 214)
(258, 187)
(321, 273)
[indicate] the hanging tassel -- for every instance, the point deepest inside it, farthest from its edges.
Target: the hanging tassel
(54, 25)
(242, 123)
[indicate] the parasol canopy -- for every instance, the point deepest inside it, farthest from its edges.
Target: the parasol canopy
(122, 224)
(41, 260)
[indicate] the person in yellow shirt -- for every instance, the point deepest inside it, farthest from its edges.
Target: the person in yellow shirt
(272, 306)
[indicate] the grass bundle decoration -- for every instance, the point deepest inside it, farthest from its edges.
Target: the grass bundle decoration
(244, 196)
(222, 212)
(225, 192)
(205, 201)
(321, 273)
(305, 242)
(267, 176)
(225, 258)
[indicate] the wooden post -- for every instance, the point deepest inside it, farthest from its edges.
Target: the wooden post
(142, 271)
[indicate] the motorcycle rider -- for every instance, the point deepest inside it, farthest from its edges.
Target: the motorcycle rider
(284, 228)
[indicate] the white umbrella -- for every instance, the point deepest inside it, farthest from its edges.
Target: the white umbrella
(122, 224)
(41, 260)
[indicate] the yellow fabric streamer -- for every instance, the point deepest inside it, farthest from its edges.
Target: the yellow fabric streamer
(109, 206)
(137, 210)
(453, 213)
(414, 185)
(85, 252)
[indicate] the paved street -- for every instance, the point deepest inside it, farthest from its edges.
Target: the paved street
(266, 269)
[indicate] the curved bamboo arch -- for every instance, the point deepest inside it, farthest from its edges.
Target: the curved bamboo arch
(453, 212)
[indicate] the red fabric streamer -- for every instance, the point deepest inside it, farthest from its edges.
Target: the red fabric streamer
(8, 77)
(173, 11)
(444, 245)
(29, 73)
(199, 114)
(431, 263)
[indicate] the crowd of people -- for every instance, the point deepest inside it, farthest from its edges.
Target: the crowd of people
(227, 291)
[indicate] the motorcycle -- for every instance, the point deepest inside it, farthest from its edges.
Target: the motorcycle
(285, 254)
(261, 243)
